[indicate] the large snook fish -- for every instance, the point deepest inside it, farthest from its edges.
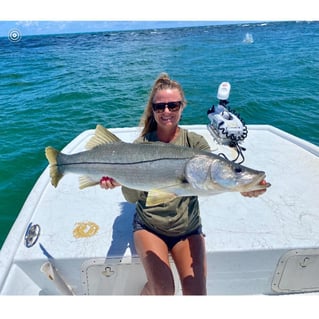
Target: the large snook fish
(164, 170)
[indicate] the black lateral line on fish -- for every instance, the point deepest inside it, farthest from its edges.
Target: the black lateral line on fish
(124, 163)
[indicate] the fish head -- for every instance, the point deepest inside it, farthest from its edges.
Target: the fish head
(214, 174)
(231, 176)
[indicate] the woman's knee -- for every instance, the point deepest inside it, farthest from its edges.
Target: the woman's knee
(159, 288)
(159, 275)
(153, 253)
(194, 286)
(190, 259)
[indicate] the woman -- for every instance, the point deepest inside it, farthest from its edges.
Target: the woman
(174, 228)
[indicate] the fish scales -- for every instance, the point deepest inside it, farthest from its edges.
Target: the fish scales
(133, 165)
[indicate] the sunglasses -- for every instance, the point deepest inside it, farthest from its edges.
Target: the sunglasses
(172, 106)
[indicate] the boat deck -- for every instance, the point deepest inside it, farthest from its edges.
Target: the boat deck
(264, 245)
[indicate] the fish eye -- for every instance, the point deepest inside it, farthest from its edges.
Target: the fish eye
(237, 169)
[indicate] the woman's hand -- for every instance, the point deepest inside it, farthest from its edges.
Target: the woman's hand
(253, 193)
(108, 182)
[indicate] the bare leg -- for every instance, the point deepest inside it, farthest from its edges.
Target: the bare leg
(190, 259)
(153, 253)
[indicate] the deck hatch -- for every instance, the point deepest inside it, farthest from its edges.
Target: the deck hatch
(112, 277)
(297, 272)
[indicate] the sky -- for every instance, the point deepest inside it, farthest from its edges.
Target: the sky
(33, 17)
(58, 27)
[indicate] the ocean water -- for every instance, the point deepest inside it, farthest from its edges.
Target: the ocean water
(56, 86)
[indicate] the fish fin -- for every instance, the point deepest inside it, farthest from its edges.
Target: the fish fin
(157, 197)
(86, 181)
(102, 136)
(51, 155)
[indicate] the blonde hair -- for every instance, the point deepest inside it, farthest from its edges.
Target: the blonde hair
(163, 82)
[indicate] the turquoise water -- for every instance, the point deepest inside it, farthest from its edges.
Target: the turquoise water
(54, 87)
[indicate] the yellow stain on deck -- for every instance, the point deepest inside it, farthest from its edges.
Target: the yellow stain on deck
(85, 229)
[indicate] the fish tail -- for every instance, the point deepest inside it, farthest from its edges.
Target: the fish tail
(51, 155)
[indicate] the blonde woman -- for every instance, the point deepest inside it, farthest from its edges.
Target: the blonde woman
(173, 228)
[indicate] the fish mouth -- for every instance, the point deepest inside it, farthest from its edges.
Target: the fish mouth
(257, 184)
(261, 178)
